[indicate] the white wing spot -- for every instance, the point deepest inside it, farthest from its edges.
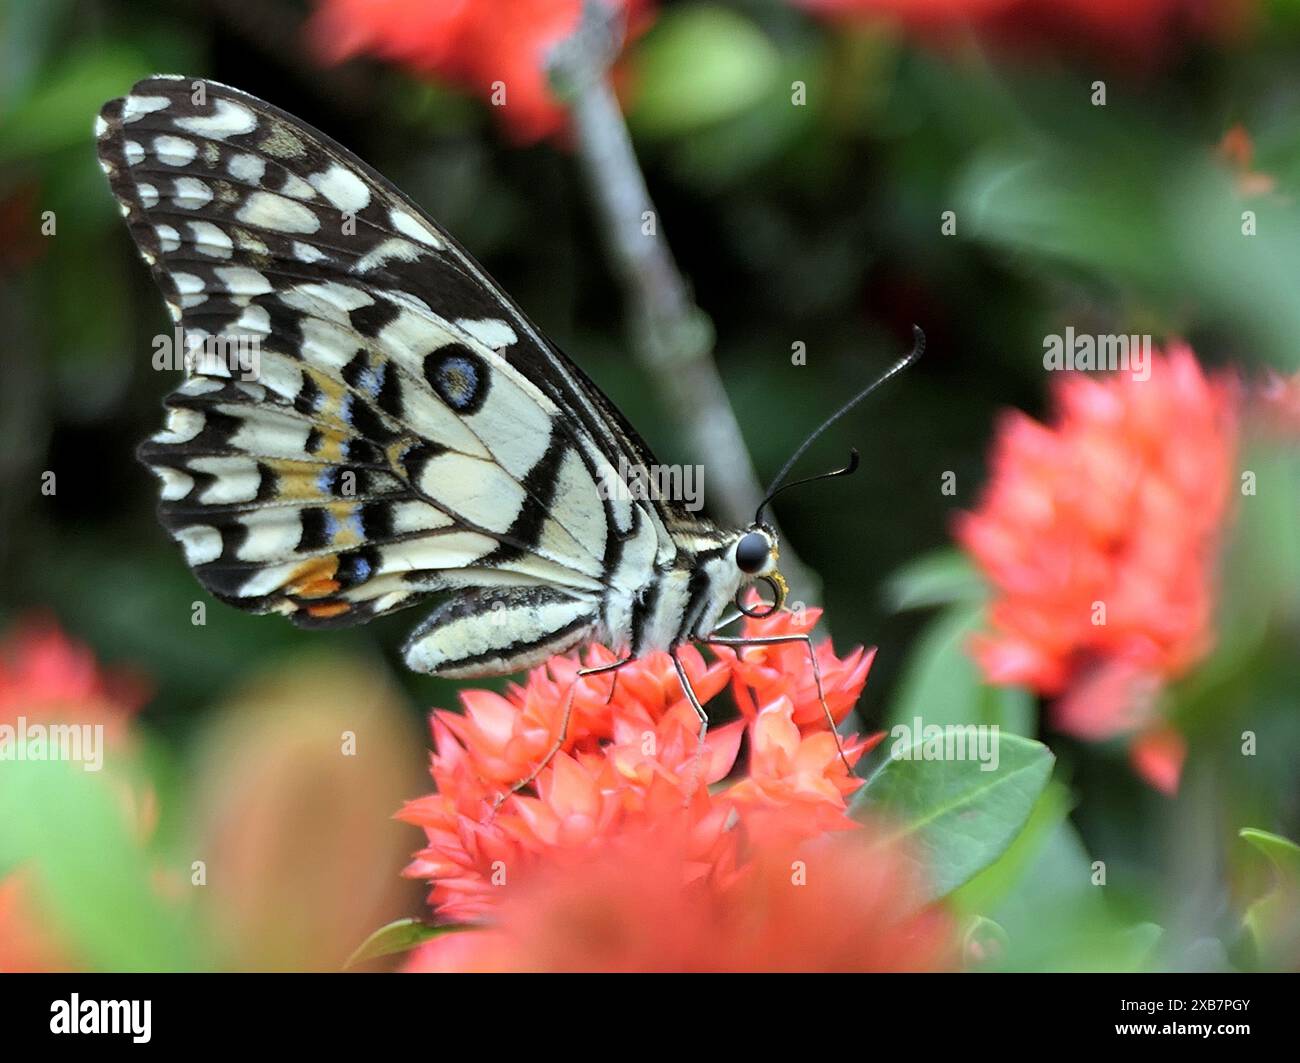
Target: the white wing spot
(136, 107)
(190, 193)
(394, 247)
(133, 152)
(298, 188)
(307, 253)
(342, 187)
(148, 195)
(228, 120)
(240, 280)
(246, 168)
(186, 283)
(491, 331)
(414, 228)
(254, 321)
(201, 543)
(168, 240)
(211, 240)
(267, 210)
(101, 126)
(174, 151)
(176, 484)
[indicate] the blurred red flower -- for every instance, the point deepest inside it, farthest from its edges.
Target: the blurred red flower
(837, 904)
(631, 760)
(496, 49)
(1100, 535)
(1136, 28)
(43, 673)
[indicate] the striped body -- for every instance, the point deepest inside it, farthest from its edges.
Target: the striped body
(404, 431)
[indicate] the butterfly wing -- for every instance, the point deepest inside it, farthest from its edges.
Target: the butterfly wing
(367, 418)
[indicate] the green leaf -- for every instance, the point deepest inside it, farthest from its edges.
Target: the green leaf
(942, 685)
(1018, 869)
(956, 816)
(1274, 919)
(700, 65)
(940, 578)
(1282, 853)
(61, 108)
(95, 881)
(398, 936)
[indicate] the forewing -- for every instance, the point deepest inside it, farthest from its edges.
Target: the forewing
(367, 419)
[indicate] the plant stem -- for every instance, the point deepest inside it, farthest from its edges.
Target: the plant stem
(672, 337)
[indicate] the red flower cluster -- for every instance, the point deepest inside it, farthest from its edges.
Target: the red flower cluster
(634, 825)
(1100, 534)
(631, 761)
(496, 49)
(843, 903)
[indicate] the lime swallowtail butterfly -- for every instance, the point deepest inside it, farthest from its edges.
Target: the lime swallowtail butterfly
(408, 433)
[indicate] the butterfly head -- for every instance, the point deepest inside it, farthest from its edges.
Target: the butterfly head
(756, 553)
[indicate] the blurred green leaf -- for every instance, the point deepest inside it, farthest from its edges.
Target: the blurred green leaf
(1282, 853)
(989, 890)
(28, 34)
(939, 578)
(1274, 919)
(942, 685)
(68, 826)
(398, 936)
(61, 108)
(958, 816)
(699, 65)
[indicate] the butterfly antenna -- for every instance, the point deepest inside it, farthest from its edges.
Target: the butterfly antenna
(918, 348)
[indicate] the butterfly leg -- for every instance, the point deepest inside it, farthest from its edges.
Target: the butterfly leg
(773, 640)
(558, 744)
(691, 696)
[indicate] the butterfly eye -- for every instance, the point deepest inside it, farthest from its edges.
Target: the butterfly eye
(752, 552)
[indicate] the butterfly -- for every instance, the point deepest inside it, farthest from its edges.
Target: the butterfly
(395, 429)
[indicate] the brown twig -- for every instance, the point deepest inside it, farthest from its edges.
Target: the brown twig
(672, 337)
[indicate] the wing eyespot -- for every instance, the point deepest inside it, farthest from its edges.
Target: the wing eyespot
(459, 377)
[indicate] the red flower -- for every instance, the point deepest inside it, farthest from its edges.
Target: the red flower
(631, 761)
(496, 49)
(832, 905)
(43, 673)
(1135, 27)
(1100, 535)
(761, 674)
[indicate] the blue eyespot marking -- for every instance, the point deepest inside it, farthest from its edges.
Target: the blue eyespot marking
(458, 376)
